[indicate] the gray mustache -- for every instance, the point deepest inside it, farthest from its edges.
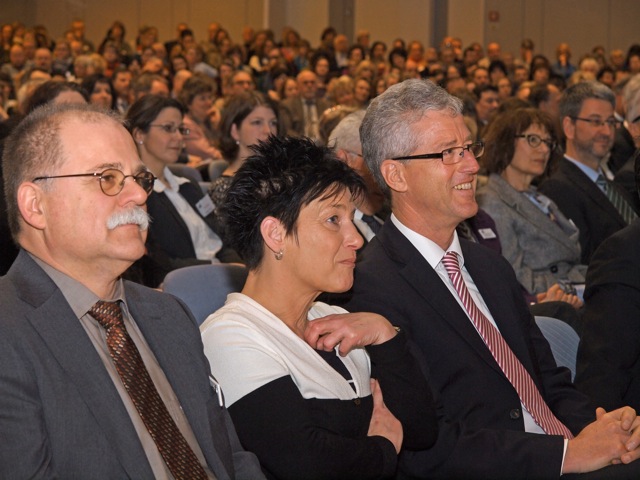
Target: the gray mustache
(135, 215)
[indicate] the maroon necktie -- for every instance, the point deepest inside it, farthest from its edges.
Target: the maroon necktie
(504, 356)
(173, 447)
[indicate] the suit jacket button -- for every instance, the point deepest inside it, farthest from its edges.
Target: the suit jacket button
(356, 401)
(554, 269)
(515, 414)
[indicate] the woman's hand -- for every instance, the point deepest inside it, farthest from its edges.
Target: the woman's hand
(555, 293)
(383, 423)
(350, 330)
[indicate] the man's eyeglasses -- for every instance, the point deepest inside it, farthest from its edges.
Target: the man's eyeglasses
(596, 122)
(171, 128)
(534, 141)
(451, 155)
(112, 180)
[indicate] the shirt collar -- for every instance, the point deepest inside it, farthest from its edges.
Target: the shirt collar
(588, 171)
(174, 182)
(431, 251)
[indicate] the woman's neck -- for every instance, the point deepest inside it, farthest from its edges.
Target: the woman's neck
(281, 298)
(518, 180)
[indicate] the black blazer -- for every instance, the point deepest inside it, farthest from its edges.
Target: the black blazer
(169, 244)
(582, 201)
(609, 354)
(481, 430)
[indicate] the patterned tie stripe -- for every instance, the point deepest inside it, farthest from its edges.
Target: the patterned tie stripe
(173, 447)
(504, 356)
(617, 199)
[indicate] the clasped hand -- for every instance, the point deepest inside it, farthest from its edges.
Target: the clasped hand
(612, 439)
(350, 330)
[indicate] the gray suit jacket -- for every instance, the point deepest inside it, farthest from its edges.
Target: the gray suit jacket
(292, 115)
(60, 414)
(540, 250)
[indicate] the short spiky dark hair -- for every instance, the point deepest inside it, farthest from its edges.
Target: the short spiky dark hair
(279, 179)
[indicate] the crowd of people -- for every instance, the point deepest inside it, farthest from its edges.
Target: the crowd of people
(403, 213)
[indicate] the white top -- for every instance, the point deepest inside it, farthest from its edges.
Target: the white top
(206, 242)
(247, 347)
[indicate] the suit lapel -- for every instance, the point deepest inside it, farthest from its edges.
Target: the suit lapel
(529, 212)
(160, 333)
(71, 348)
(426, 282)
(597, 198)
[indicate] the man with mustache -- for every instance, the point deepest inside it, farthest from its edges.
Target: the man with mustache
(99, 377)
(579, 187)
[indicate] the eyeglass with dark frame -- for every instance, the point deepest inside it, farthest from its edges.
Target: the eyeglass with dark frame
(534, 141)
(171, 128)
(112, 180)
(449, 156)
(596, 122)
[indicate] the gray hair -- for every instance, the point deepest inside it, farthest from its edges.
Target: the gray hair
(631, 97)
(387, 128)
(34, 149)
(574, 96)
(346, 135)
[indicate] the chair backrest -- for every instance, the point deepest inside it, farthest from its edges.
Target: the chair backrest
(204, 288)
(563, 341)
(182, 170)
(216, 167)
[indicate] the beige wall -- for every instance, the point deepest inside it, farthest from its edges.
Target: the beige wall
(582, 23)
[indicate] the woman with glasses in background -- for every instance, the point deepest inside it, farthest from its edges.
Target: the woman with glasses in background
(538, 240)
(182, 230)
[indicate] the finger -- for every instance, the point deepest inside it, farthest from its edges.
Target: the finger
(600, 413)
(634, 440)
(376, 393)
(627, 418)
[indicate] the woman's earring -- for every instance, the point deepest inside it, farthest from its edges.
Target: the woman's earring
(140, 142)
(279, 255)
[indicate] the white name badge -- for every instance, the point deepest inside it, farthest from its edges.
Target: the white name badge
(487, 233)
(205, 205)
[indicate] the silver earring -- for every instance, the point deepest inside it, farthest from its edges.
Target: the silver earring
(140, 142)
(237, 142)
(279, 255)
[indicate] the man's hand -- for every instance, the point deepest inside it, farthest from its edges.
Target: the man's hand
(612, 439)
(350, 330)
(383, 423)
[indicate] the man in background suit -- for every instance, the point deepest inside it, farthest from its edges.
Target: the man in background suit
(578, 186)
(300, 116)
(69, 407)
(420, 151)
(345, 138)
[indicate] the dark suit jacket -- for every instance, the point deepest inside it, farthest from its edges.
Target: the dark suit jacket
(481, 430)
(609, 354)
(169, 243)
(60, 414)
(292, 114)
(582, 201)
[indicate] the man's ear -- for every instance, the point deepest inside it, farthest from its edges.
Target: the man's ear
(31, 205)
(273, 234)
(568, 127)
(394, 173)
